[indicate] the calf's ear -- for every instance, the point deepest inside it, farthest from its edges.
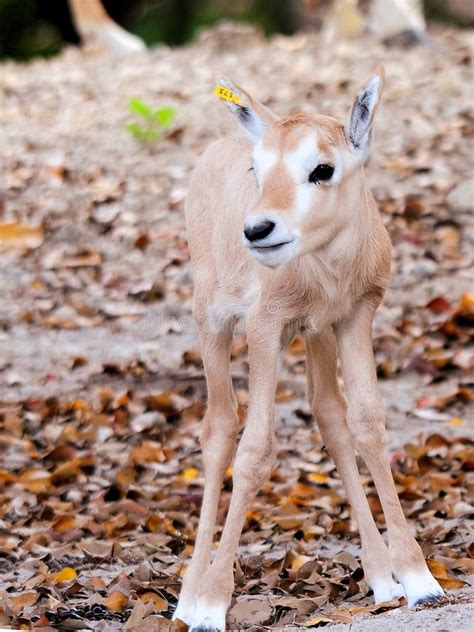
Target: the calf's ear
(359, 127)
(250, 113)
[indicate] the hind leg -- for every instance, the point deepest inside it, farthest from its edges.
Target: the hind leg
(366, 420)
(329, 408)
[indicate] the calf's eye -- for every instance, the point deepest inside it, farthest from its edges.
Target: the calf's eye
(322, 173)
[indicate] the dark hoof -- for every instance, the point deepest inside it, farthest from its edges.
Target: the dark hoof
(430, 601)
(204, 628)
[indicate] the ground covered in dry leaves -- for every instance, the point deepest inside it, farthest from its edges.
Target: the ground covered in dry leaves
(101, 384)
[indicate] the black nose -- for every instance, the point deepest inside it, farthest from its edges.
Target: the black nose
(259, 231)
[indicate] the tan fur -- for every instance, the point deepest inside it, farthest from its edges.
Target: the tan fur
(288, 132)
(278, 192)
(330, 292)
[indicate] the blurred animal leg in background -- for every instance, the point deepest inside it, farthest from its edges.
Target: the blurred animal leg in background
(400, 21)
(393, 18)
(97, 29)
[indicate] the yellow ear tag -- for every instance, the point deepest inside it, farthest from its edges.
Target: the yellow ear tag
(227, 95)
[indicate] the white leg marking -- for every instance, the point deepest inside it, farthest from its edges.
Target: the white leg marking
(207, 617)
(420, 587)
(386, 590)
(184, 610)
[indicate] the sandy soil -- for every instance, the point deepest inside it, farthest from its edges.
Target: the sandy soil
(445, 619)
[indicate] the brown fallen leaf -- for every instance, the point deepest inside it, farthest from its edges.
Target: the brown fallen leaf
(193, 358)
(35, 479)
(64, 523)
(148, 452)
(255, 611)
(449, 583)
(24, 600)
(344, 616)
(17, 236)
(440, 573)
(167, 402)
(116, 601)
(6, 477)
(139, 612)
(299, 561)
(83, 259)
(179, 626)
(97, 549)
(160, 604)
(438, 305)
(378, 607)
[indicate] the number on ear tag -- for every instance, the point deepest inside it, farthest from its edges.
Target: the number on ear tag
(227, 95)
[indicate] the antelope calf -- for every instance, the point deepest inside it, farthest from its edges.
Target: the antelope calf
(283, 230)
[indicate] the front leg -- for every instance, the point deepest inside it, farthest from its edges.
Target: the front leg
(218, 436)
(253, 464)
(366, 421)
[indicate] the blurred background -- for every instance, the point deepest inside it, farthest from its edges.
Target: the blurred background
(30, 28)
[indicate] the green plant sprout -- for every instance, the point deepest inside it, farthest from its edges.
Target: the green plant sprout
(154, 121)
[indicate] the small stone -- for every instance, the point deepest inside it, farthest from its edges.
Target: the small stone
(65, 312)
(106, 213)
(461, 198)
(146, 420)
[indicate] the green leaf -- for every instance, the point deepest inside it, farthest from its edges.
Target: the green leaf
(136, 131)
(152, 134)
(165, 116)
(140, 108)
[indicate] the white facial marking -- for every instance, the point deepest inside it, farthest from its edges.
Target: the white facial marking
(420, 586)
(304, 198)
(263, 160)
(302, 160)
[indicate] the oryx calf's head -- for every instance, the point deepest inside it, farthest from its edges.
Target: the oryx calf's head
(308, 169)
